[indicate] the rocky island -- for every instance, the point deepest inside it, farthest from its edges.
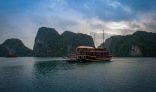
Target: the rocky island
(14, 47)
(49, 43)
(140, 43)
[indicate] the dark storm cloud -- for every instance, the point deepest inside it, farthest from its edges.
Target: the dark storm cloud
(139, 5)
(112, 10)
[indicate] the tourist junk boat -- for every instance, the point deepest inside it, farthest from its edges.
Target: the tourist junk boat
(87, 53)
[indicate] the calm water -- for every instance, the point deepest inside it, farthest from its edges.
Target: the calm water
(29, 74)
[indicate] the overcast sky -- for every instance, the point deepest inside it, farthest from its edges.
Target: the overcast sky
(22, 18)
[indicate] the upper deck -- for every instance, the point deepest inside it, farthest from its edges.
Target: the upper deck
(89, 49)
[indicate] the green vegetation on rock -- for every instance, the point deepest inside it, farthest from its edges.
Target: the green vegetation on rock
(72, 40)
(140, 43)
(14, 46)
(48, 42)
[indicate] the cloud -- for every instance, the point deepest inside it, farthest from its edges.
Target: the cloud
(139, 5)
(106, 10)
(22, 18)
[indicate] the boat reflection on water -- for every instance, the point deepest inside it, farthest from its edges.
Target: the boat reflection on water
(44, 67)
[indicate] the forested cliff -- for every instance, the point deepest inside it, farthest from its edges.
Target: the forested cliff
(140, 43)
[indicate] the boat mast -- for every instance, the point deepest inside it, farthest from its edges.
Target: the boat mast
(94, 40)
(103, 38)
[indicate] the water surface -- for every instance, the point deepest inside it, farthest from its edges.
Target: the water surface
(31, 74)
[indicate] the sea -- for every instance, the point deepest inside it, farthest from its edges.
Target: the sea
(47, 74)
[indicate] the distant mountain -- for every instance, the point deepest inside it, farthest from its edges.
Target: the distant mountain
(140, 43)
(48, 42)
(14, 47)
